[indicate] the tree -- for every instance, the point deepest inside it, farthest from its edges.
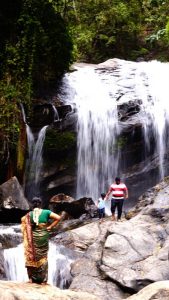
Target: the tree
(35, 51)
(104, 28)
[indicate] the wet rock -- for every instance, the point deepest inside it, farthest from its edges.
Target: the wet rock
(12, 195)
(13, 204)
(76, 208)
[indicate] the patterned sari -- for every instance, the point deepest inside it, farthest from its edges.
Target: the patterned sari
(35, 241)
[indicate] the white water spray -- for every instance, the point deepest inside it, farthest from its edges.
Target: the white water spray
(95, 93)
(97, 132)
(58, 266)
(154, 93)
(35, 160)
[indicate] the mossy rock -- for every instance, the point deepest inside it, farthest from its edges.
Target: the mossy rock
(56, 141)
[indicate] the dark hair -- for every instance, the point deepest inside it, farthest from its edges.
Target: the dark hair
(36, 202)
(103, 194)
(117, 179)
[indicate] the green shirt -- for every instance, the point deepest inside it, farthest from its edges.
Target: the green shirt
(44, 216)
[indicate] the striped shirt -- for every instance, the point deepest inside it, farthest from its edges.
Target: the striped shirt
(118, 190)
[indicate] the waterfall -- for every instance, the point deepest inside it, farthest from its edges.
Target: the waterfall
(35, 160)
(58, 266)
(153, 90)
(96, 92)
(30, 141)
(56, 115)
(23, 112)
(97, 132)
(14, 264)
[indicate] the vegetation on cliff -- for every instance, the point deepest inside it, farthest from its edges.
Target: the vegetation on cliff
(103, 29)
(35, 51)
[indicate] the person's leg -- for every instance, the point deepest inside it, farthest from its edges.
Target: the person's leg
(29, 272)
(113, 207)
(101, 211)
(119, 208)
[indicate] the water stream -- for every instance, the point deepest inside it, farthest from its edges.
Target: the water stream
(59, 258)
(96, 93)
(58, 266)
(35, 161)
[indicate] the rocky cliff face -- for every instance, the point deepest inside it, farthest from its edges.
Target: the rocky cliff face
(121, 258)
(138, 166)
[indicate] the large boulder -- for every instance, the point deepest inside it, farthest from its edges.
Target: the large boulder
(120, 258)
(13, 203)
(75, 208)
(86, 275)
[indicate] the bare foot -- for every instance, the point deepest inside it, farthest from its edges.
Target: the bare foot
(30, 281)
(44, 283)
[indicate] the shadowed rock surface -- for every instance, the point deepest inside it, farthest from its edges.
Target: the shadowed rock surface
(13, 204)
(75, 208)
(155, 291)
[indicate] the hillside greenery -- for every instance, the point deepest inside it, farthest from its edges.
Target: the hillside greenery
(102, 29)
(35, 51)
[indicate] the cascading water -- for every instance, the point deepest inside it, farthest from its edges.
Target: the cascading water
(153, 90)
(14, 265)
(96, 92)
(35, 160)
(56, 115)
(59, 259)
(97, 132)
(58, 266)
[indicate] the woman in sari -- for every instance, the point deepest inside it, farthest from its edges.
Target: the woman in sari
(35, 228)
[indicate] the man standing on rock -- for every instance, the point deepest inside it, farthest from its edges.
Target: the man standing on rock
(119, 192)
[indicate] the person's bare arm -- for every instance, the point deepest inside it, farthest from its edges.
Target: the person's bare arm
(107, 195)
(126, 194)
(56, 219)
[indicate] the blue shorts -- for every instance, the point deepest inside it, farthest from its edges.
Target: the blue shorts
(101, 213)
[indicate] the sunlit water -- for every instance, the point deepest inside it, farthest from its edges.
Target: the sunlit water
(58, 266)
(96, 94)
(35, 160)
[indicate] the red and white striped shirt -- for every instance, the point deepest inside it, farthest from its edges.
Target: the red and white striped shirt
(118, 190)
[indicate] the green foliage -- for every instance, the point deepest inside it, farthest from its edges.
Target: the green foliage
(9, 114)
(41, 50)
(59, 141)
(102, 29)
(167, 31)
(35, 51)
(155, 18)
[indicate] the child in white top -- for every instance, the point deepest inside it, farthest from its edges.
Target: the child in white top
(101, 207)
